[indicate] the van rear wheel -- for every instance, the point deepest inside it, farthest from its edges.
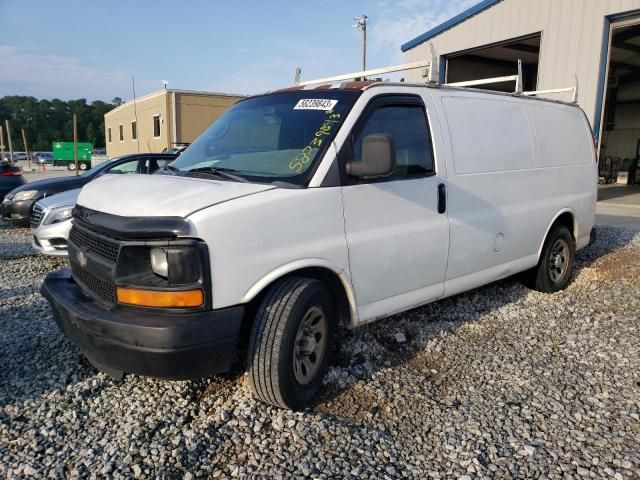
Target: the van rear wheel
(554, 268)
(290, 342)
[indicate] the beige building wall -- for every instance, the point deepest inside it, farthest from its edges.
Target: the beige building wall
(143, 112)
(194, 112)
(572, 33)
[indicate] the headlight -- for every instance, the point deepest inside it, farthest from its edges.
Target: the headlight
(58, 215)
(25, 195)
(169, 274)
(159, 263)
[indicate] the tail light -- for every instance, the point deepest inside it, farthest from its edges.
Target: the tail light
(11, 172)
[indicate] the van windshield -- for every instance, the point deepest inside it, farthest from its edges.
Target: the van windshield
(272, 138)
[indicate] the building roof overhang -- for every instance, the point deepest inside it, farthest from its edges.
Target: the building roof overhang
(452, 22)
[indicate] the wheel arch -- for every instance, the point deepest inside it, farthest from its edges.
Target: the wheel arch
(336, 279)
(565, 217)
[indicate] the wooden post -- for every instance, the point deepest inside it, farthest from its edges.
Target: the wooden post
(75, 141)
(6, 122)
(1, 143)
(26, 148)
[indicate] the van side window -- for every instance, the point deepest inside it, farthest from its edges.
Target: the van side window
(407, 126)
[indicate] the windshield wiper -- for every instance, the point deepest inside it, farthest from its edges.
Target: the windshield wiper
(220, 172)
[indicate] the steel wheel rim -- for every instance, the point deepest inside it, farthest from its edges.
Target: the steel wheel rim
(558, 260)
(309, 347)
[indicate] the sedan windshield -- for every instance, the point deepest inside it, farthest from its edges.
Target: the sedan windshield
(272, 138)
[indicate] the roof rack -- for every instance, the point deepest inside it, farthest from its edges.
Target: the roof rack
(431, 73)
(367, 73)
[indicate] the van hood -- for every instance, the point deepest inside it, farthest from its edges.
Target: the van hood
(160, 195)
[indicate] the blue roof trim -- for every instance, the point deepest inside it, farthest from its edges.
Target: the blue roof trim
(449, 23)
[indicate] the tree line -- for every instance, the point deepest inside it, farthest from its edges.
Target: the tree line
(46, 121)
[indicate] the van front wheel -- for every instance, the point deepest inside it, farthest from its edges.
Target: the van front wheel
(554, 268)
(290, 342)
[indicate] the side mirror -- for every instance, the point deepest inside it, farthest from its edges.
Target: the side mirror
(378, 157)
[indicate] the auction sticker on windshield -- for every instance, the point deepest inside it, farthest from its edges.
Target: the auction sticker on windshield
(315, 104)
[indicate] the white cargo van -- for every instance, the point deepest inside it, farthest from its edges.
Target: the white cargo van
(309, 208)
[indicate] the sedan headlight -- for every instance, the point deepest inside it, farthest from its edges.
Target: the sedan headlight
(58, 215)
(25, 195)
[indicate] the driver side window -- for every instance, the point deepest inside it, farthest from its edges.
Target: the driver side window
(407, 127)
(126, 168)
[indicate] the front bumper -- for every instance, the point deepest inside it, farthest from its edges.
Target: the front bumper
(18, 212)
(157, 344)
(52, 239)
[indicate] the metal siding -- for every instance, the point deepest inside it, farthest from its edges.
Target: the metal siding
(571, 44)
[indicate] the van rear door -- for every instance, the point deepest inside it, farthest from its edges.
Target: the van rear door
(397, 239)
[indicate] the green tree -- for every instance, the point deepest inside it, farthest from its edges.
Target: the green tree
(46, 121)
(91, 134)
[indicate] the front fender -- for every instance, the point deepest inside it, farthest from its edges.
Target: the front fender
(302, 264)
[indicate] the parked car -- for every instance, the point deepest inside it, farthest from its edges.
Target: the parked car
(18, 204)
(51, 222)
(10, 178)
(302, 210)
(44, 158)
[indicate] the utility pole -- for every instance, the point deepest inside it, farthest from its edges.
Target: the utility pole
(75, 141)
(6, 122)
(361, 24)
(26, 147)
(1, 144)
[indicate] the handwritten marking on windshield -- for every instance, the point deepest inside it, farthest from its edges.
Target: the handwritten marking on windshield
(304, 157)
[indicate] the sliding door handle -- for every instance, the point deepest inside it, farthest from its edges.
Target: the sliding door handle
(442, 198)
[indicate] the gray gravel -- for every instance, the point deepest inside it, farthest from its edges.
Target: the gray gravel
(55, 172)
(501, 382)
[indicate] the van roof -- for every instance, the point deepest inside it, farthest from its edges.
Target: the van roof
(363, 85)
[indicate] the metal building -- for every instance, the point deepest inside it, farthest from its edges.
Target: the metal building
(595, 41)
(162, 120)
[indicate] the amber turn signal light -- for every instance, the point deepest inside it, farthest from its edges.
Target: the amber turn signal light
(160, 299)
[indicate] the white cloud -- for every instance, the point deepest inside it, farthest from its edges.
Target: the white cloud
(395, 23)
(30, 72)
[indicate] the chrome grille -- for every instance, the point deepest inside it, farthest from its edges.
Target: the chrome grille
(105, 291)
(36, 216)
(98, 245)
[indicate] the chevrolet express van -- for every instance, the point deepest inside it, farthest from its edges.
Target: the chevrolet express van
(306, 209)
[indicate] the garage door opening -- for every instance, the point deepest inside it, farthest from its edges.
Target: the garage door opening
(497, 60)
(620, 145)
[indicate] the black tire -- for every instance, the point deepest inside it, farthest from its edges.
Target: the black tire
(71, 166)
(552, 275)
(270, 358)
(82, 166)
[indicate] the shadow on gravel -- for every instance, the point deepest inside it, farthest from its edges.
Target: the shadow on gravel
(420, 326)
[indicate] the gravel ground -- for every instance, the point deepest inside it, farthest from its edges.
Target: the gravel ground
(501, 382)
(54, 172)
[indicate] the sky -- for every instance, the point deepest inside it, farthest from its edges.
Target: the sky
(72, 49)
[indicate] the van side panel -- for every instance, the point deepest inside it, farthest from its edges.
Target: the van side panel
(490, 189)
(567, 153)
(516, 164)
(561, 141)
(483, 142)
